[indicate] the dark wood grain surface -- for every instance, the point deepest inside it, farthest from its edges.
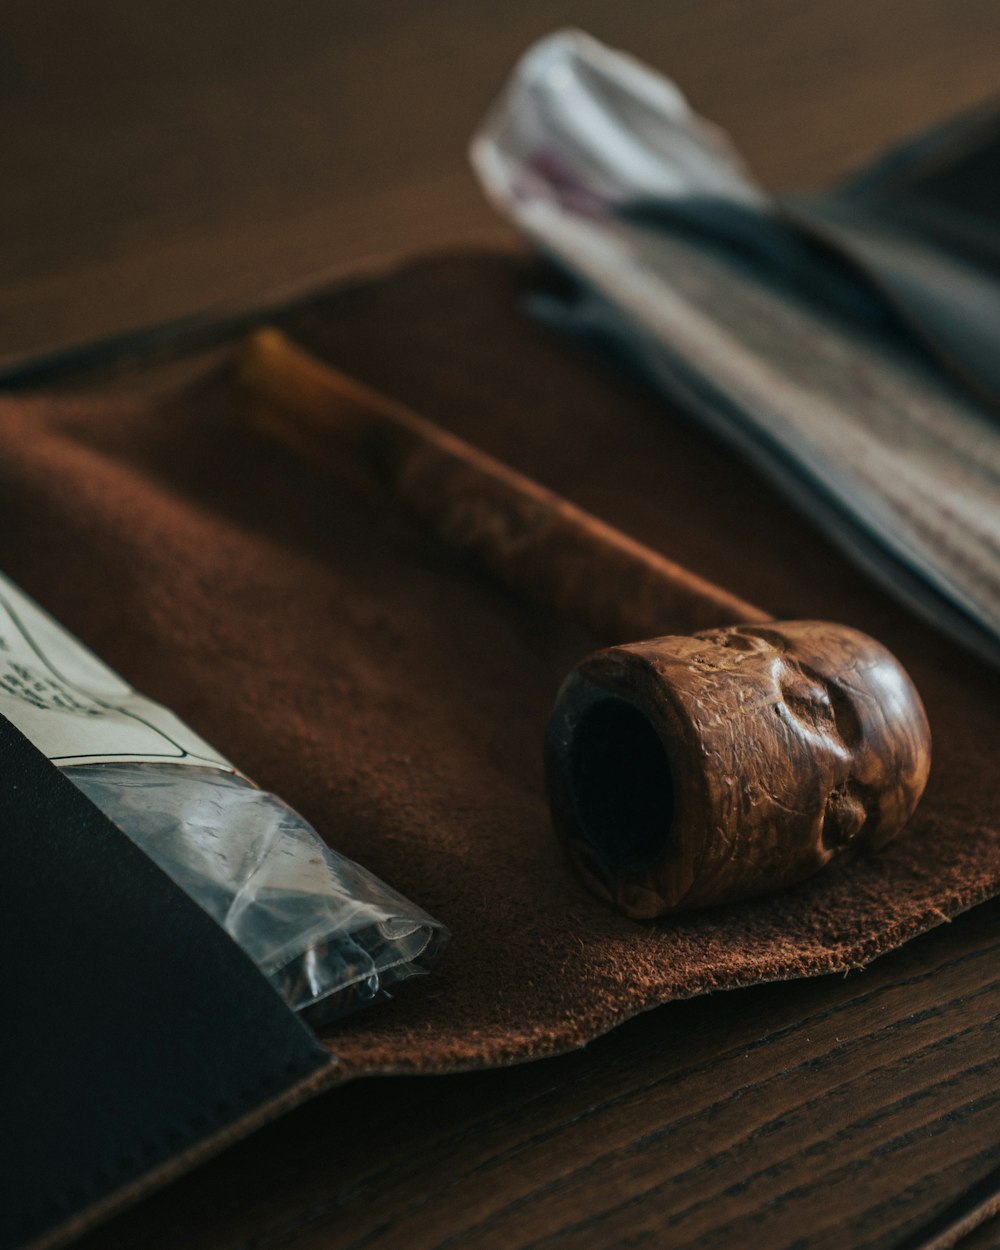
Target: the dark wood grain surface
(843, 1112)
(162, 159)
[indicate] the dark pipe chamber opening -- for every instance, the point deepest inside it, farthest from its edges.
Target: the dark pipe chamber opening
(620, 784)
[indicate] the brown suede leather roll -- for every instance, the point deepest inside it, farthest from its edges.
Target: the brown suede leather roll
(311, 630)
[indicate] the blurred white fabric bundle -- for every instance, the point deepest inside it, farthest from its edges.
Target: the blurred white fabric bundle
(797, 330)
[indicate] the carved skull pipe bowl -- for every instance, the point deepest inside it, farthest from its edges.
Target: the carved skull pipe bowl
(688, 771)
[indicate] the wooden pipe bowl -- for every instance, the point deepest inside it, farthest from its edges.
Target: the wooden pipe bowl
(695, 770)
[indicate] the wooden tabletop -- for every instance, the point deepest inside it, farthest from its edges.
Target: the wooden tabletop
(842, 1112)
(163, 159)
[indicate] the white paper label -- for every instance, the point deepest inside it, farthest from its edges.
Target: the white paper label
(74, 708)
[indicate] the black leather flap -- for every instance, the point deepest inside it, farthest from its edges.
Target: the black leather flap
(133, 1027)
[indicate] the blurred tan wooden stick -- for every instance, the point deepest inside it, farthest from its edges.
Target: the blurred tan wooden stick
(529, 538)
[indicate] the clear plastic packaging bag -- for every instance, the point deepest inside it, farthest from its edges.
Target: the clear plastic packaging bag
(328, 934)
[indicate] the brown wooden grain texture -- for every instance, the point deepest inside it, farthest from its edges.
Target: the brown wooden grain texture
(846, 1112)
(165, 158)
(984, 1234)
(685, 772)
